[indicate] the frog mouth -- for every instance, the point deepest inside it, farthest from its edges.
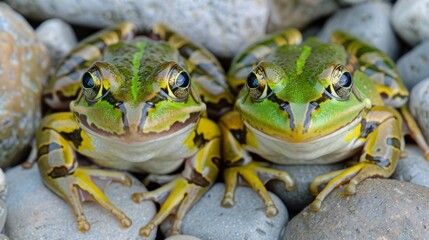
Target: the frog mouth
(302, 140)
(135, 134)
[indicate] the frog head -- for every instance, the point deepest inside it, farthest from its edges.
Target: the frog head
(302, 93)
(140, 90)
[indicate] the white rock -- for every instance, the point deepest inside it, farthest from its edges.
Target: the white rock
(369, 21)
(419, 106)
(221, 26)
(410, 18)
(58, 37)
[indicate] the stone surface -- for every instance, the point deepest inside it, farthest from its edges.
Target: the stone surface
(353, 2)
(58, 37)
(419, 106)
(3, 185)
(182, 237)
(286, 13)
(24, 65)
(381, 209)
(300, 197)
(414, 168)
(412, 66)
(221, 26)
(246, 220)
(411, 19)
(34, 212)
(369, 21)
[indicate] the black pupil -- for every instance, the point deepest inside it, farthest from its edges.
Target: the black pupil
(182, 80)
(87, 80)
(345, 80)
(252, 81)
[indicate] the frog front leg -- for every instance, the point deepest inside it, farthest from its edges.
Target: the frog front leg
(200, 172)
(238, 163)
(58, 138)
(382, 130)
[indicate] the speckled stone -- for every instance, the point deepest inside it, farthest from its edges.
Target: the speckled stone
(414, 168)
(413, 66)
(419, 106)
(58, 37)
(286, 13)
(369, 21)
(221, 26)
(34, 212)
(411, 19)
(300, 197)
(380, 209)
(208, 220)
(182, 237)
(24, 65)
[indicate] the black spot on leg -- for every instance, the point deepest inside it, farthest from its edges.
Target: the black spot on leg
(239, 135)
(394, 142)
(380, 161)
(199, 140)
(73, 137)
(198, 179)
(45, 149)
(367, 128)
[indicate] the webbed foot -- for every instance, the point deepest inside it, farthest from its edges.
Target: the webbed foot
(79, 187)
(177, 197)
(256, 174)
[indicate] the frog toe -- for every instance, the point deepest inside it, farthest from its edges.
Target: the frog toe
(83, 224)
(177, 196)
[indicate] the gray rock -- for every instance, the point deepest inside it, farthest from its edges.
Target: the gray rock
(353, 2)
(380, 209)
(412, 66)
(246, 220)
(182, 237)
(34, 212)
(414, 168)
(300, 197)
(58, 37)
(369, 21)
(221, 26)
(286, 13)
(3, 185)
(411, 19)
(419, 106)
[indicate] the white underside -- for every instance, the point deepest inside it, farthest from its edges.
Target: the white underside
(160, 156)
(328, 149)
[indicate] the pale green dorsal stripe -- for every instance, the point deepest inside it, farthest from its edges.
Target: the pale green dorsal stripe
(302, 58)
(136, 66)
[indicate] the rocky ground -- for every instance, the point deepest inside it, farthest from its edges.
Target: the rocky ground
(395, 208)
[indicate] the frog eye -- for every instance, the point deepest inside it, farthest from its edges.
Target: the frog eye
(257, 84)
(179, 83)
(91, 84)
(342, 85)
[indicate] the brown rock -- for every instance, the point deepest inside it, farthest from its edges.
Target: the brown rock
(381, 209)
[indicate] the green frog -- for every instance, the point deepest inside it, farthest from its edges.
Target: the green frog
(313, 102)
(133, 103)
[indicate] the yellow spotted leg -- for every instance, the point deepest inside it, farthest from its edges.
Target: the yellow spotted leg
(200, 172)
(382, 149)
(58, 137)
(238, 163)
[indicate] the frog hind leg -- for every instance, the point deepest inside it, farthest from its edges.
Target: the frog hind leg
(205, 71)
(238, 163)
(64, 85)
(382, 71)
(381, 152)
(199, 173)
(60, 171)
(414, 131)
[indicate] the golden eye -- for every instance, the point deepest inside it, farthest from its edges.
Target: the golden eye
(257, 84)
(342, 84)
(179, 83)
(91, 84)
